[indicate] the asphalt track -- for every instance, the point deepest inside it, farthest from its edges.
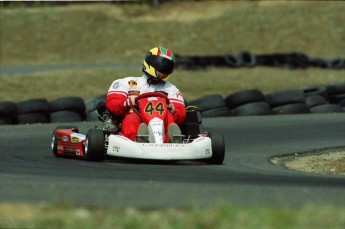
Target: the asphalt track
(30, 172)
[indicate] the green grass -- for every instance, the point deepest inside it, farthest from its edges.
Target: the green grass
(104, 33)
(226, 216)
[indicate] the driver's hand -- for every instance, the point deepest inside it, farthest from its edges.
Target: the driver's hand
(129, 102)
(171, 108)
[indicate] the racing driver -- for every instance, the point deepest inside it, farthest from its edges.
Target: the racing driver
(157, 66)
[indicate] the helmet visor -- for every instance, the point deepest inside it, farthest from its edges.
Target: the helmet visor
(161, 64)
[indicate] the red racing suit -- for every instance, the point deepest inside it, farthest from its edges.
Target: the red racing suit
(121, 89)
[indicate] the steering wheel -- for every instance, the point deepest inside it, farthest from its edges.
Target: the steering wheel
(152, 94)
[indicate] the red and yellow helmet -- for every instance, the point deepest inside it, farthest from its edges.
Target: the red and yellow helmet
(159, 63)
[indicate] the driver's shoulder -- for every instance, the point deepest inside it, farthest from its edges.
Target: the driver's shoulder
(130, 80)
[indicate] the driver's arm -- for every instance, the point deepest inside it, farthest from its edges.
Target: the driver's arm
(179, 114)
(116, 97)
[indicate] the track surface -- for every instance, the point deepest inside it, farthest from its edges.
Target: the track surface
(30, 172)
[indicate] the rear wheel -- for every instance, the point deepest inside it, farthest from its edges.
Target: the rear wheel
(94, 145)
(218, 148)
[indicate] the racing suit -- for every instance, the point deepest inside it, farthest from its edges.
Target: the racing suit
(121, 89)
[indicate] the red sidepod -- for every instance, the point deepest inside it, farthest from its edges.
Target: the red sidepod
(69, 143)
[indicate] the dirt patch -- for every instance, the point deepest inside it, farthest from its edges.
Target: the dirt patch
(328, 161)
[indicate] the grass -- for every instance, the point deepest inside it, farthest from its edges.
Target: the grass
(65, 215)
(103, 33)
(122, 33)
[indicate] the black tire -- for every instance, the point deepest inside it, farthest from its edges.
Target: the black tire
(91, 103)
(342, 103)
(217, 112)
(336, 88)
(32, 118)
(285, 97)
(321, 91)
(243, 97)
(295, 108)
(336, 98)
(67, 103)
(208, 102)
(257, 108)
(33, 106)
(65, 116)
(231, 61)
(8, 119)
(94, 145)
(327, 108)
(315, 100)
(183, 62)
(247, 59)
(8, 108)
(92, 116)
(218, 148)
(337, 64)
(53, 144)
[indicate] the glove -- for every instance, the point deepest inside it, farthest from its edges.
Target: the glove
(171, 108)
(129, 102)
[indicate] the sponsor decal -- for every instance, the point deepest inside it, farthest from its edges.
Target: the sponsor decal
(116, 149)
(77, 152)
(132, 83)
(179, 94)
(75, 140)
(165, 145)
(159, 133)
(69, 150)
(116, 85)
(208, 151)
(65, 138)
(133, 93)
(60, 147)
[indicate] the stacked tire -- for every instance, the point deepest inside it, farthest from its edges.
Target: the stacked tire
(325, 99)
(91, 107)
(211, 106)
(33, 111)
(67, 109)
(248, 103)
(8, 113)
(288, 102)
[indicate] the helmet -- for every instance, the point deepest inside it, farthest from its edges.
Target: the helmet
(159, 63)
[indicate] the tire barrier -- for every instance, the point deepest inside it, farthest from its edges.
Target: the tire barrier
(248, 59)
(249, 102)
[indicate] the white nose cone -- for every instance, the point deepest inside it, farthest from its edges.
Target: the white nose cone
(156, 130)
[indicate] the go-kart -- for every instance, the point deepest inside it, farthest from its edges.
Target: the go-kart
(100, 142)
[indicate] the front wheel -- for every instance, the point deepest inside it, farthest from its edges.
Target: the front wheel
(218, 148)
(94, 145)
(54, 139)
